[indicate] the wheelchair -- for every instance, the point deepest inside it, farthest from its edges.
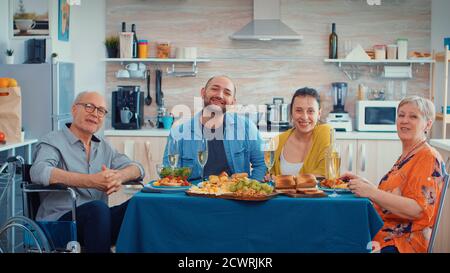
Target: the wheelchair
(39, 236)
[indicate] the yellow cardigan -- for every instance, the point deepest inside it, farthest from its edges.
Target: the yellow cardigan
(314, 162)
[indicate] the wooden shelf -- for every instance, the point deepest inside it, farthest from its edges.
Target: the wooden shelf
(378, 62)
(440, 116)
(440, 56)
(156, 60)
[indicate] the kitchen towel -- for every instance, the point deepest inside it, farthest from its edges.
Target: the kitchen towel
(11, 113)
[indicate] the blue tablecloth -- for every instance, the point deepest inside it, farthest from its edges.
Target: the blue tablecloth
(175, 222)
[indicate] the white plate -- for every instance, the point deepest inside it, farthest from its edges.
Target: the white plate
(332, 190)
(166, 188)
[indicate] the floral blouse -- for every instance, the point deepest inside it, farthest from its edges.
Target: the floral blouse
(420, 178)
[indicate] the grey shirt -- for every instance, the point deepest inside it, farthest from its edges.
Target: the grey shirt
(63, 150)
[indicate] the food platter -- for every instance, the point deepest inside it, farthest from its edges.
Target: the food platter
(341, 185)
(232, 196)
(338, 190)
(304, 195)
(150, 187)
(263, 197)
(209, 195)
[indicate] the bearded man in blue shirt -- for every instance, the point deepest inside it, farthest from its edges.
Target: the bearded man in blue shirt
(233, 140)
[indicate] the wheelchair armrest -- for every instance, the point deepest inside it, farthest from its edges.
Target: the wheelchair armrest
(136, 182)
(57, 187)
(53, 187)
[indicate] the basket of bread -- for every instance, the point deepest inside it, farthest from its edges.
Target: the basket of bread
(238, 186)
(304, 185)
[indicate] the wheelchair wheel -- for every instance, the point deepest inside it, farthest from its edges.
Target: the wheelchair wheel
(28, 236)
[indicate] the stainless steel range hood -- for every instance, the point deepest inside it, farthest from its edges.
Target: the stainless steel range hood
(266, 24)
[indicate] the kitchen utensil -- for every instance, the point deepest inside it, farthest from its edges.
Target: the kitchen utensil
(278, 114)
(122, 73)
(132, 67)
(339, 119)
(148, 99)
(339, 94)
(137, 73)
(158, 89)
(126, 115)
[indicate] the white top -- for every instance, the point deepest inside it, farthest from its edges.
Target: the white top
(288, 168)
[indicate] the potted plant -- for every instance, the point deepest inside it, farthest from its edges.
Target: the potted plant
(112, 46)
(9, 56)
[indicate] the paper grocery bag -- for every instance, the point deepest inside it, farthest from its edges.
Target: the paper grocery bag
(11, 113)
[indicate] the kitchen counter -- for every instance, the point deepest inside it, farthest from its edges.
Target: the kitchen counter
(152, 132)
(443, 144)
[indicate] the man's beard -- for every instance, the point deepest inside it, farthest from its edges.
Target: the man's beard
(214, 108)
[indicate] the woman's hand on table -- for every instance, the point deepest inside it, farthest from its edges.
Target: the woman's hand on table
(358, 185)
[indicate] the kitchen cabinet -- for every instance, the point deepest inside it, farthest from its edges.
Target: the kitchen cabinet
(148, 151)
(442, 243)
(443, 57)
(371, 159)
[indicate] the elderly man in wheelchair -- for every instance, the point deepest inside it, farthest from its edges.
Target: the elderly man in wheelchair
(75, 157)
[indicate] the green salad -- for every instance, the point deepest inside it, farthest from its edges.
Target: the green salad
(180, 172)
(245, 184)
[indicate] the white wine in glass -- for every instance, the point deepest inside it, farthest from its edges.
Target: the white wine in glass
(268, 147)
(202, 157)
(173, 160)
(269, 159)
(333, 163)
(202, 154)
(173, 153)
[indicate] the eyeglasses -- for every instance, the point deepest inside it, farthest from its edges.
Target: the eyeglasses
(90, 108)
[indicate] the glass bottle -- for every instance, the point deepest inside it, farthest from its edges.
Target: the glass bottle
(333, 43)
(124, 27)
(135, 41)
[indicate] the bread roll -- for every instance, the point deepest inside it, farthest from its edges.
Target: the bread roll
(306, 181)
(214, 179)
(239, 175)
(284, 182)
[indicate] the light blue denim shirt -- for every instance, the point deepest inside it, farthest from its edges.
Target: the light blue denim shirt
(241, 141)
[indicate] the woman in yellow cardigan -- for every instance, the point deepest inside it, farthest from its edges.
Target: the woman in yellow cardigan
(302, 149)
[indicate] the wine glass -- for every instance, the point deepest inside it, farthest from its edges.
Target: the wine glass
(159, 168)
(333, 164)
(202, 154)
(268, 147)
(173, 154)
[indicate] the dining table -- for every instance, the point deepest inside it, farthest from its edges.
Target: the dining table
(174, 222)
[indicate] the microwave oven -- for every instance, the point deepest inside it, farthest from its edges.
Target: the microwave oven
(376, 115)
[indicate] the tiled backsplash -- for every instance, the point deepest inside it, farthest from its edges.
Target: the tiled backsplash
(262, 70)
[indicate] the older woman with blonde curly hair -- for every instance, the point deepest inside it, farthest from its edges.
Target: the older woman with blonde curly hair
(408, 195)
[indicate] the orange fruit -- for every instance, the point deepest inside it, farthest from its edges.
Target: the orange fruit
(12, 83)
(4, 82)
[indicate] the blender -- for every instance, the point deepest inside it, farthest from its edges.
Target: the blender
(339, 118)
